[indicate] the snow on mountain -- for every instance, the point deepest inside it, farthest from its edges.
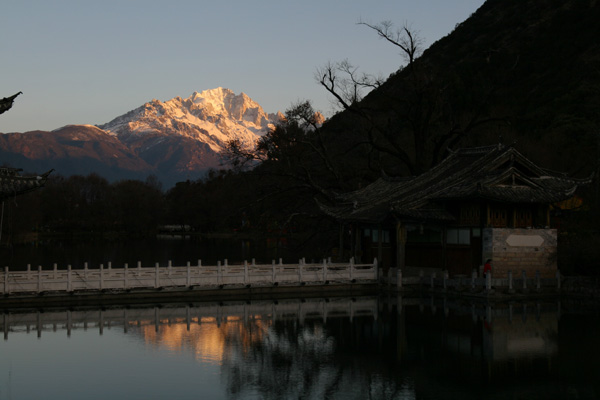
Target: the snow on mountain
(212, 117)
(175, 140)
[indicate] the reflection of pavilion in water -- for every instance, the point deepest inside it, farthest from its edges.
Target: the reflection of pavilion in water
(494, 333)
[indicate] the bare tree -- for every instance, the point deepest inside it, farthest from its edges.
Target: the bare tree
(345, 84)
(413, 120)
(295, 149)
(407, 39)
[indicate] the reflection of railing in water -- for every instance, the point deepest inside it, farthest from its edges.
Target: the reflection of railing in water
(511, 284)
(479, 310)
(202, 313)
(230, 276)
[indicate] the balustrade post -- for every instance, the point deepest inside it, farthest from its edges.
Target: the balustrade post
(245, 272)
(85, 271)
(324, 271)
(169, 268)
(125, 273)
(351, 268)
(6, 285)
(69, 279)
(139, 268)
(54, 270)
(156, 276)
(188, 281)
(376, 267)
(39, 288)
(273, 272)
(199, 267)
(219, 273)
(488, 281)
(101, 276)
(510, 281)
(299, 273)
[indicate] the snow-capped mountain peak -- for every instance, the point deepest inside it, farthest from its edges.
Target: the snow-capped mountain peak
(212, 116)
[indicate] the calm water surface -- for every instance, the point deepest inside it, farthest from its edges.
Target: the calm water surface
(336, 348)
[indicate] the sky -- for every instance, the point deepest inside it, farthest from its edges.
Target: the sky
(90, 61)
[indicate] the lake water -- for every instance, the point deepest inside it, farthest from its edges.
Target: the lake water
(336, 348)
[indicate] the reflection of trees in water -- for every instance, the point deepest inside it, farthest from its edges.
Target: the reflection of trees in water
(288, 360)
(293, 360)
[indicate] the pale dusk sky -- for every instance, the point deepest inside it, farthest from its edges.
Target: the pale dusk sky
(87, 62)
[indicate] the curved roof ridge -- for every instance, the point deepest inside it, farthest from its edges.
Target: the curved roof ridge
(479, 149)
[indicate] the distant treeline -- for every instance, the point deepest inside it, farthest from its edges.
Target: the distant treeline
(224, 202)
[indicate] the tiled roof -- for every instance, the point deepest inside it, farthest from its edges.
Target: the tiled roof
(12, 184)
(7, 102)
(499, 173)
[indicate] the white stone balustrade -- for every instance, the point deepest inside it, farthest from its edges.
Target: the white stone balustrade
(219, 276)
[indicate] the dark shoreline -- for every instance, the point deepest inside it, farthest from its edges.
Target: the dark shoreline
(178, 294)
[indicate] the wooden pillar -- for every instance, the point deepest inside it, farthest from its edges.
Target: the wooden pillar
(358, 234)
(379, 244)
(400, 245)
(444, 240)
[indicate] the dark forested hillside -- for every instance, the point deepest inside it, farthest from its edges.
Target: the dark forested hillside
(517, 71)
(524, 71)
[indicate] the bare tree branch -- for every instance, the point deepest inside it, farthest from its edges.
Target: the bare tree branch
(405, 38)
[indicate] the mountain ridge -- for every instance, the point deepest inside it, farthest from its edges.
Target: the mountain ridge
(178, 139)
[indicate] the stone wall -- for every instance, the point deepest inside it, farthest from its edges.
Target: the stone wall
(518, 250)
